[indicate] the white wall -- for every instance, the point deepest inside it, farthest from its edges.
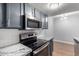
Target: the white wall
(50, 30)
(66, 29)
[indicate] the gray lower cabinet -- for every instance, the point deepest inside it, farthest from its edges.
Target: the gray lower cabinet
(76, 48)
(50, 47)
(13, 15)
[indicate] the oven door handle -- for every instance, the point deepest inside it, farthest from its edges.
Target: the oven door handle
(41, 48)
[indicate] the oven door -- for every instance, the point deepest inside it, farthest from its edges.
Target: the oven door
(42, 51)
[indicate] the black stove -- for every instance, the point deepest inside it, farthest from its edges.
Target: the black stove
(37, 44)
(33, 42)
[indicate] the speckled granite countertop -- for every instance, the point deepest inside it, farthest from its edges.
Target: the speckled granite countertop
(15, 50)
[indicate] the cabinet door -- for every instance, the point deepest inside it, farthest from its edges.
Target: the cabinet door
(1, 15)
(13, 15)
(22, 8)
(44, 21)
(29, 10)
(37, 14)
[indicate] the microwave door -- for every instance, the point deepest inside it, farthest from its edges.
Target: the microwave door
(33, 23)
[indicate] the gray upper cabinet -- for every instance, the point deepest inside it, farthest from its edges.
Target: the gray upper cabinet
(29, 10)
(22, 8)
(37, 14)
(44, 21)
(1, 16)
(13, 15)
(10, 15)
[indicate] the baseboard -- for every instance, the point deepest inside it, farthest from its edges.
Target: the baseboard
(72, 43)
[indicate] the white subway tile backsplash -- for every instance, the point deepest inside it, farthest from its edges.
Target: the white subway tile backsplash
(8, 37)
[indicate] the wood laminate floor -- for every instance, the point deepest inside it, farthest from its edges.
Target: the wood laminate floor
(62, 49)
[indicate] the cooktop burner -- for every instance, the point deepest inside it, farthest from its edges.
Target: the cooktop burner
(36, 44)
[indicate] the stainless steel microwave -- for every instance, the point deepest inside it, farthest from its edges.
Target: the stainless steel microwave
(29, 23)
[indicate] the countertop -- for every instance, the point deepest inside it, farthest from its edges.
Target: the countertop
(15, 50)
(76, 39)
(45, 37)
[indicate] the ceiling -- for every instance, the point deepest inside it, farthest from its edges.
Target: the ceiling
(65, 8)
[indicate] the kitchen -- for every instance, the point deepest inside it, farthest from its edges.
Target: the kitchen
(39, 29)
(19, 27)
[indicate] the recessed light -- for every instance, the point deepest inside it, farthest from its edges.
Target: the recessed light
(63, 17)
(54, 5)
